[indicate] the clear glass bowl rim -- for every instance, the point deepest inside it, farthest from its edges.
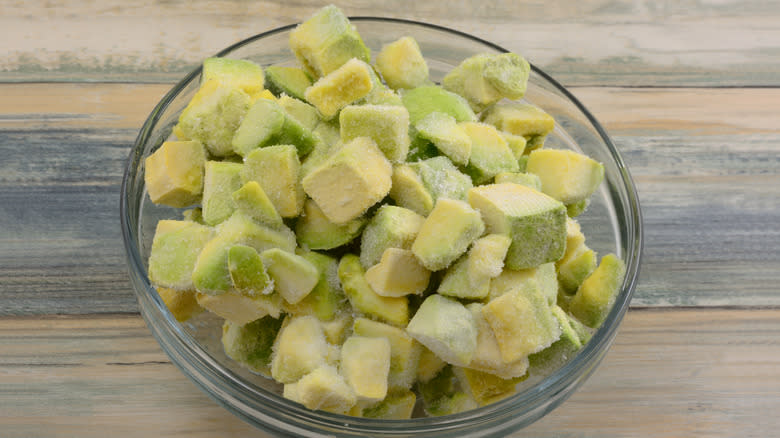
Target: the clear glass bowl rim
(275, 414)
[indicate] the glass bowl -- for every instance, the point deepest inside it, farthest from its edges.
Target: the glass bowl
(612, 223)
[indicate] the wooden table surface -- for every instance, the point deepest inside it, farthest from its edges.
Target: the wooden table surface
(688, 90)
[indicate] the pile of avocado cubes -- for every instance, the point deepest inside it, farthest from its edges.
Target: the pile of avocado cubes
(372, 238)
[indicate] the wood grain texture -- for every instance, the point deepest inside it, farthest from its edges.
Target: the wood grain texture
(612, 42)
(669, 373)
(708, 177)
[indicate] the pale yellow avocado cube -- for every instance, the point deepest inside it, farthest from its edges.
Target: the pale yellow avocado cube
(351, 180)
(574, 239)
(396, 406)
(181, 303)
(174, 173)
(447, 328)
(486, 256)
(240, 73)
(429, 365)
(239, 308)
(299, 349)
(390, 227)
(363, 299)
(401, 64)
(447, 233)
(404, 350)
(398, 273)
(487, 357)
(365, 364)
(324, 389)
(221, 179)
(522, 322)
(340, 87)
(175, 249)
(337, 328)
(519, 119)
(485, 388)
(542, 277)
(277, 170)
(567, 176)
(516, 143)
(262, 94)
(294, 276)
(490, 154)
(524, 179)
(408, 190)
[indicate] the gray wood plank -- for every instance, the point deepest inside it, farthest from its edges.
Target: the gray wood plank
(621, 42)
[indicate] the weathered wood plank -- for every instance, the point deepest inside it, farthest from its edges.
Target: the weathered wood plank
(609, 42)
(706, 163)
(669, 373)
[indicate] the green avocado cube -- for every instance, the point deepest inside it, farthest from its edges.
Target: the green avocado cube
(251, 344)
(394, 310)
(326, 299)
(294, 276)
(299, 349)
(174, 173)
(557, 354)
(446, 328)
(516, 143)
(490, 154)
(427, 99)
(175, 250)
(401, 64)
(486, 388)
(251, 200)
(459, 283)
(577, 208)
(521, 119)
(445, 133)
(349, 181)
(487, 357)
(305, 114)
(365, 365)
(291, 81)
(316, 231)
(247, 272)
(572, 271)
(567, 176)
(221, 179)
(524, 179)
(341, 87)
(240, 73)
(213, 116)
(387, 125)
(485, 79)
(408, 190)
(442, 179)
(542, 277)
(597, 293)
(447, 233)
(441, 395)
(535, 222)
(396, 406)
(390, 227)
(260, 126)
(326, 41)
(277, 170)
(404, 351)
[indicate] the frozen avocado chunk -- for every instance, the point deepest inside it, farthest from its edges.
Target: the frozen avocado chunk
(524, 179)
(213, 115)
(426, 99)
(535, 222)
(294, 276)
(390, 227)
(251, 344)
(365, 364)
(485, 388)
(443, 131)
(521, 119)
(517, 143)
(316, 231)
(301, 111)
(567, 176)
(542, 277)
(324, 389)
(573, 270)
(490, 154)
(487, 356)
(447, 233)
(277, 170)
(394, 310)
(408, 190)
(240, 73)
(387, 125)
(557, 354)
(397, 274)
(446, 328)
(247, 272)
(401, 64)
(326, 298)
(341, 87)
(239, 308)
(291, 81)
(299, 349)
(485, 79)
(443, 396)
(404, 351)
(442, 179)
(469, 277)
(349, 181)
(326, 41)
(251, 200)
(220, 181)
(267, 123)
(174, 173)
(458, 282)
(181, 303)
(396, 406)
(522, 323)
(597, 293)
(175, 250)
